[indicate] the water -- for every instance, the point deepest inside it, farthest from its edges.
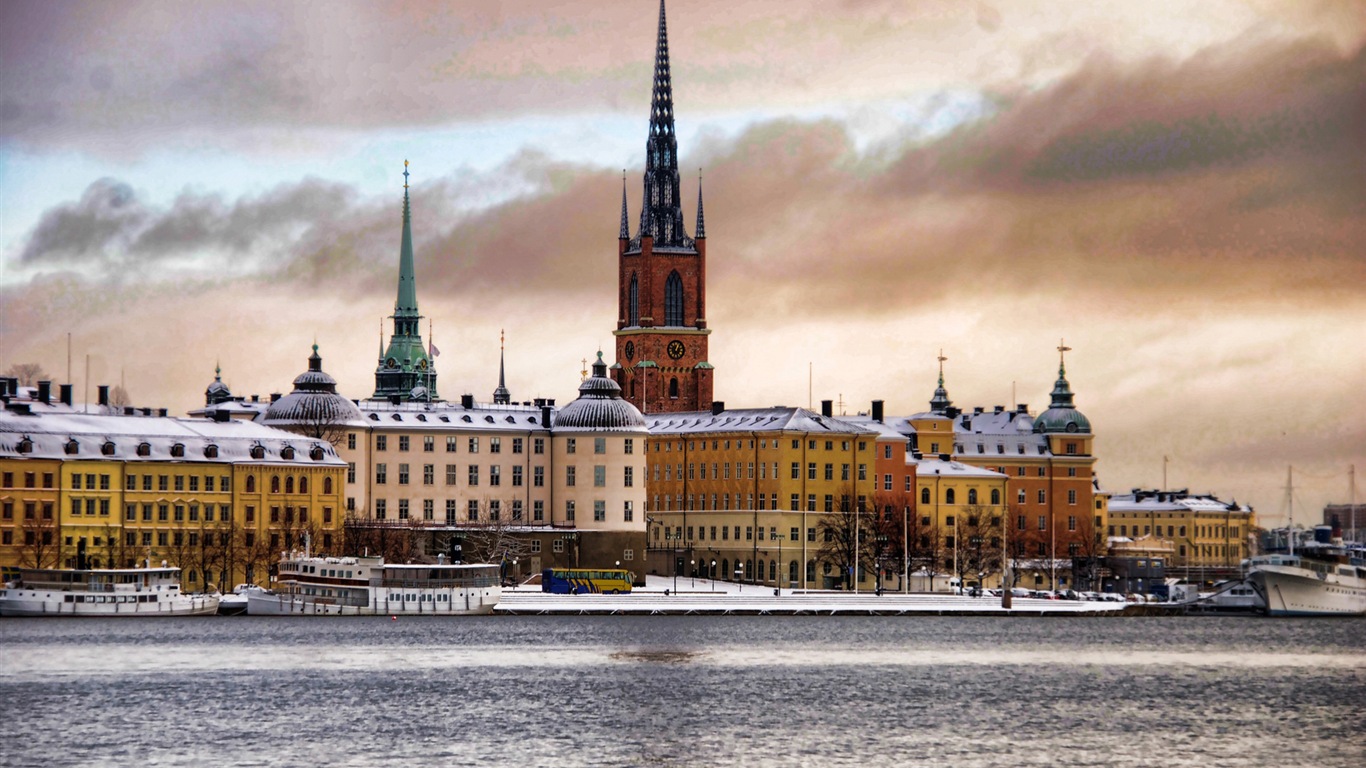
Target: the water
(683, 691)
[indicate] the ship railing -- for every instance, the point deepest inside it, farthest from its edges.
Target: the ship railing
(472, 581)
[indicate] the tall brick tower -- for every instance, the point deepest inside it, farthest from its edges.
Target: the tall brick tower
(662, 275)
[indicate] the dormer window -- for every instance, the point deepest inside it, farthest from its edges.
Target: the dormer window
(210, 451)
(72, 447)
(422, 417)
(374, 417)
(178, 451)
(287, 452)
(144, 449)
(25, 446)
(316, 453)
(108, 448)
(258, 451)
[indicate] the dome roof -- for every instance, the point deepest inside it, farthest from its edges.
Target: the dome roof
(314, 400)
(599, 406)
(1062, 415)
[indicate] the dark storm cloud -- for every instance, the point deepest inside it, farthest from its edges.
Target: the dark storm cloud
(111, 226)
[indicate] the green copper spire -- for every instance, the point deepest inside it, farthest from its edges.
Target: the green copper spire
(406, 306)
(940, 403)
(405, 367)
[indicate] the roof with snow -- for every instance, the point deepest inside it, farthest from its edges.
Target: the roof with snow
(1140, 500)
(489, 417)
(924, 467)
(775, 419)
(599, 406)
(138, 438)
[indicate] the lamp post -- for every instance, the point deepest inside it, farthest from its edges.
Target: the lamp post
(712, 575)
(693, 570)
(740, 575)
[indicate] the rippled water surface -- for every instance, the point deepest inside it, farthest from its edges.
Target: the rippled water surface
(684, 691)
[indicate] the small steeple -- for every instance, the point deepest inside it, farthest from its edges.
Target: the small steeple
(701, 229)
(1062, 391)
(406, 305)
(940, 403)
(625, 223)
(315, 361)
(501, 396)
(599, 367)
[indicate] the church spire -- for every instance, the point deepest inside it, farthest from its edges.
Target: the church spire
(1062, 391)
(661, 212)
(701, 230)
(625, 223)
(501, 396)
(405, 366)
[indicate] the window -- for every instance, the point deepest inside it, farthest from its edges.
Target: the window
(538, 445)
(1042, 497)
(599, 511)
(429, 474)
(629, 478)
(628, 446)
(1020, 496)
(351, 441)
(569, 476)
(428, 444)
(1071, 522)
(495, 445)
(634, 302)
(995, 496)
(673, 389)
(403, 442)
(381, 474)
(537, 513)
(517, 510)
(381, 442)
(1071, 497)
(599, 445)
(450, 444)
(811, 471)
(570, 445)
(402, 474)
(599, 476)
(474, 475)
(673, 300)
(495, 475)
(538, 476)
(350, 472)
(569, 510)
(472, 509)
(517, 477)
(949, 496)
(972, 495)
(474, 445)
(1043, 523)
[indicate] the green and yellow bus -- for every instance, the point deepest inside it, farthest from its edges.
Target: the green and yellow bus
(578, 581)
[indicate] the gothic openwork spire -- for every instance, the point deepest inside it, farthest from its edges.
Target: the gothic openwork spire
(661, 213)
(701, 229)
(625, 222)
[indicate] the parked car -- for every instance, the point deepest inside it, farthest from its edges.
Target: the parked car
(1019, 592)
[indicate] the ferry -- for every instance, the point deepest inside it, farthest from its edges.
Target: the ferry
(102, 592)
(235, 602)
(367, 586)
(1324, 578)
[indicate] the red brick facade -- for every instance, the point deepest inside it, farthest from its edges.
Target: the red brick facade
(662, 367)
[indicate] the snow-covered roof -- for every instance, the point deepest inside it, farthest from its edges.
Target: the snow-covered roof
(775, 419)
(381, 415)
(77, 436)
(884, 430)
(928, 466)
(1171, 501)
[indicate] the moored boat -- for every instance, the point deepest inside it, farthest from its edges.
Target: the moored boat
(101, 592)
(1323, 578)
(367, 586)
(235, 602)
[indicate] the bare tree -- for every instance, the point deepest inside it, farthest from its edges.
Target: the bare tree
(118, 397)
(397, 541)
(39, 549)
(978, 541)
(28, 374)
(849, 536)
(492, 538)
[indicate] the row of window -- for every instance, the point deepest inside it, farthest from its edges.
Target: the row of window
(30, 510)
(495, 475)
(495, 444)
(181, 512)
(491, 510)
(30, 480)
(667, 446)
(221, 483)
(1201, 531)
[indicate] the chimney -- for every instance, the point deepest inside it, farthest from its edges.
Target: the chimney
(146, 411)
(877, 411)
(827, 407)
(977, 409)
(256, 398)
(393, 399)
(540, 401)
(129, 410)
(103, 391)
(945, 457)
(467, 401)
(45, 392)
(998, 409)
(64, 393)
(545, 416)
(717, 406)
(161, 412)
(274, 396)
(221, 416)
(550, 401)
(1021, 408)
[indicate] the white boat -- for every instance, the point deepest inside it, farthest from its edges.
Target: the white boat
(95, 592)
(1319, 580)
(367, 586)
(235, 603)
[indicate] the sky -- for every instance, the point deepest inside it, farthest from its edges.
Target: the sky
(1177, 189)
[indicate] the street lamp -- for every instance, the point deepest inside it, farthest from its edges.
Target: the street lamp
(693, 566)
(740, 575)
(712, 575)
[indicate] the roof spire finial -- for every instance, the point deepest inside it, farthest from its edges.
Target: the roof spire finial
(217, 370)
(1062, 350)
(701, 231)
(940, 403)
(661, 212)
(625, 224)
(501, 395)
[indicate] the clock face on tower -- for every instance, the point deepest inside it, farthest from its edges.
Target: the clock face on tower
(676, 349)
(630, 350)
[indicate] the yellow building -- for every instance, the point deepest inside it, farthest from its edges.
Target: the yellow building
(1206, 532)
(127, 489)
(958, 531)
(763, 495)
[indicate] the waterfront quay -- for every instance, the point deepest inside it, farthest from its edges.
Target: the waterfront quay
(701, 597)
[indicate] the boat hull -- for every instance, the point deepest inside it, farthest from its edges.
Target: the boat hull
(284, 604)
(41, 603)
(1295, 591)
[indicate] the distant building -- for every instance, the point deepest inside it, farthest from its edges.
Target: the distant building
(1205, 531)
(1351, 518)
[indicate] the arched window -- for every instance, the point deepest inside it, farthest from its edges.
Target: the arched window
(772, 570)
(792, 572)
(673, 389)
(327, 485)
(995, 496)
(725, 570)
(303, 485)
(749, 569)
(673, 299)
(274, 483)
(251, 484)
(948, 496)
(972, 495)
(924, 495)
(289, 485)
(633, 313)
